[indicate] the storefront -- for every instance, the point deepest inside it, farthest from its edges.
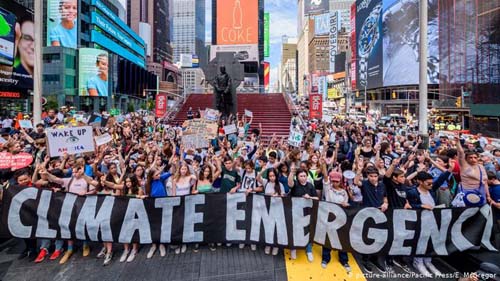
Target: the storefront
(13, 102)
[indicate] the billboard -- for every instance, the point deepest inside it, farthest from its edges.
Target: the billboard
(161, 105)
(334, 25)
(401, 42)
(322, 87)
(237, 22)
(242, 52)
(17, 46)
(93, 72)
(315, 106)
(321, 24)
(369, 43)
(62, 23)
(316, 6)
(266, 35)
(352, 41)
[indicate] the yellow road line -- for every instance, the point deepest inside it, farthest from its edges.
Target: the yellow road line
(302, 270)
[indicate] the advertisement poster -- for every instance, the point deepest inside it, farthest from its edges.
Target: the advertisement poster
(334, 25)
(267, 50)
(161, 105)
(316, 6)
(321, 24)
(70, 140)
(267, 73)
(352, 42)
(242, 52)
(401, 42)
(237, 22)
(315, 106)
(17, 47)
(369, 44)
(93, 72)
(62, 22)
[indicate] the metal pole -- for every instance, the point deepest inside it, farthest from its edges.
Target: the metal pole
(366, 106)
(422, 112)
(37, 74)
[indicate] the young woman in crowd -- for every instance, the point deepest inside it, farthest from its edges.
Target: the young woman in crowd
(182, 184)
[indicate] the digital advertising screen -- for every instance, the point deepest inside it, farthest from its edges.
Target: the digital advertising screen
(237, 22)
(93, 72)
(401, 41)
(316, 6)
(62, 23)
(17, 46)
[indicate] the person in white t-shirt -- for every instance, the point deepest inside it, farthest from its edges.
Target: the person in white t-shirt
(334, 192)
(7, 122)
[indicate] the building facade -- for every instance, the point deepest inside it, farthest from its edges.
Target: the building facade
(288, 66)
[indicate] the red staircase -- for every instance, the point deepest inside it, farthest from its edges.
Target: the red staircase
(268, 109)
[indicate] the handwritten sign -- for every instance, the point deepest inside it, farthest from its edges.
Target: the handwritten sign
(194, 141)
(248, 113)
(15, 161)
(200, 126)
(317, 140)
(230, 129)
(26, 124)
(295, 138)
(103, 139)
(327, 118)
(70, 140)
(211, 114)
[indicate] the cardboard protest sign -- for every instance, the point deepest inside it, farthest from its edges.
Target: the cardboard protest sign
(103, 139)
(70, 140)
(230, 129)
(211, 114)
(295, 138)
(200, 126)
(194, 141)
(15, 161)
(26, 124)
(170, 133)
(248, 113)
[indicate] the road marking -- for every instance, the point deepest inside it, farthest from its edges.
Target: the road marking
(302, 270)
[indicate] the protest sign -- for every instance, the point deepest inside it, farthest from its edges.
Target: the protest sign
(200, 126)
(211, 114)
(288, 222)
(26, 124)
(194, 141)
(295, 138)
(317, 140)
(170, 134)
(70, 140)
(15, 161)
(103, 139)
(327, 118)
(230, 129)
(248, 113)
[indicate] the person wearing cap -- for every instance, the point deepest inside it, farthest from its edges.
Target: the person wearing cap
(335, 192)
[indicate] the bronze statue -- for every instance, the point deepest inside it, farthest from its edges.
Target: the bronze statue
(222, 89)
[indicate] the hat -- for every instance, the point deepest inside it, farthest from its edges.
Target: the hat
(335, 176)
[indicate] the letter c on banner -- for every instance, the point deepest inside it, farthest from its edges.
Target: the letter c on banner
(457, 237)
(378, 235)
(16, 227)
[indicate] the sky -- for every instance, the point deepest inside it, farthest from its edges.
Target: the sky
(283, 16)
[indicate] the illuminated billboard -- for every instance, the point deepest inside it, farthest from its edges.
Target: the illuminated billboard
(316, 6)
(267, 49)
(93, 72)
(237, 22)
(322, 24)
(61, 22)
(17, 46)
(242, 52)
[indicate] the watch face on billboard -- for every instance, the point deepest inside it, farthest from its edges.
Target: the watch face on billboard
(62, 23)
(93, 72)
(17, 46)
(237, 22)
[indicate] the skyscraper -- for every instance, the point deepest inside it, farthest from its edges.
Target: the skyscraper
(188, 32)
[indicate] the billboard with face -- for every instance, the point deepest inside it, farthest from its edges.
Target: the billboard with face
(93, 72)
(17, 46)
(61, 22)
(237, 22)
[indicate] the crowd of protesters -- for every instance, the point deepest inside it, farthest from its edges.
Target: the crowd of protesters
(352, 165)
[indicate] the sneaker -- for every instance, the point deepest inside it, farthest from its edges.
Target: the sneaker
(212, 247)
(163, 250)
(310, 257)
(86, 250)
(108, 258)
(241, 246)
(380, 266)
(151, 251)
(66, 256)
(229, 244)
(293, 254)
(267, 250)
(27, 254)
(368, 267)
(323, 264)
(41, 256)
(123, 258)
(432, 269)
(420, 267)
(275, 251)
(178, 250)
(401, 264)
(347, 268)
(183, 248)
(132, 255)
(56, 254)
(196, 248)
(253, 247)
(102, 253)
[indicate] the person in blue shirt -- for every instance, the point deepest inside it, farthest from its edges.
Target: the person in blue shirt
(97, 86)
(64, 33)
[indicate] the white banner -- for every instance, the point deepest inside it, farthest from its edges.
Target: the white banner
(103, 139)
(242, 52)
(70, 140)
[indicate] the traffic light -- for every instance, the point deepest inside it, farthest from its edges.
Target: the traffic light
(393, 95)
(458, 103)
